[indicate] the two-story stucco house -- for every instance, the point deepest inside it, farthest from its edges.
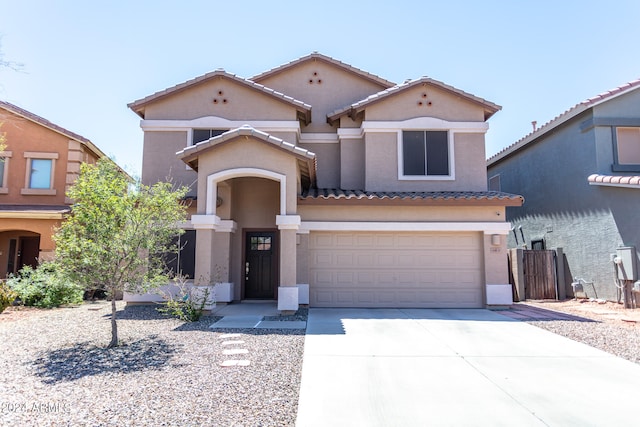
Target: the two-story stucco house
(41, 160)
(580, 176)
(318, 183)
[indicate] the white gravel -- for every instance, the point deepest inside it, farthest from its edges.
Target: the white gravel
(56, 371)
(608, 327)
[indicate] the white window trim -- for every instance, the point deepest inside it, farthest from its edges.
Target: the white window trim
(7, 156)
(452, 169)
(51, 191)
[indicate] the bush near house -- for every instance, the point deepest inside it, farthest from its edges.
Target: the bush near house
(7, 296)
(44, 287)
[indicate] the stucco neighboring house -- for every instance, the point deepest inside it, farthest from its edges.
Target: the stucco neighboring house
(318, 183)
(41, 161)
(580, 177)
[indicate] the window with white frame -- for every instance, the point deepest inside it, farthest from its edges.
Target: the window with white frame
(40, 172)
(628, 148)
(425, 153)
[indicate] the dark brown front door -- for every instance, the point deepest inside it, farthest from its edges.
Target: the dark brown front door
(261, 265)
(28, 251)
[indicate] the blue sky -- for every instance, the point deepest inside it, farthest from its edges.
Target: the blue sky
(85, 60)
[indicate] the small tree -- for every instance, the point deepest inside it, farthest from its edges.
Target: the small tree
(117, 231)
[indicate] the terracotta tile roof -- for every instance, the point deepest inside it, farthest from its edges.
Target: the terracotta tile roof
(245, 130)
(614, 180)
(436, 196)
(138, 106)
(46, 123)
(353, 109)
(563, 117)
(318, 56)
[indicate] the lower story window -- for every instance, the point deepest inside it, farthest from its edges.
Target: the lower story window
(182, 261)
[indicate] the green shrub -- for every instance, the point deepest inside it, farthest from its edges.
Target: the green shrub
(188, 304)
(7, 296)
(44, 287)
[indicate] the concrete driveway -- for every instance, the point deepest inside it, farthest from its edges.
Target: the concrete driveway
(450, 367)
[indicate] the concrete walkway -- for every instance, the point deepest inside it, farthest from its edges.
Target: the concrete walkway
(422, 367)
(249, 315)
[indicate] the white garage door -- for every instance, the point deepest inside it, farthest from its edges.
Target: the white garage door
(395, 269)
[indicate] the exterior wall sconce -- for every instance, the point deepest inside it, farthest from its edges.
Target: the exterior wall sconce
(496, 240)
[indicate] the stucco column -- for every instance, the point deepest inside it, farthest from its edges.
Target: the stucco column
(498, 289)
(205, 226)
(213, 248)
(204, 246)
(288, 291)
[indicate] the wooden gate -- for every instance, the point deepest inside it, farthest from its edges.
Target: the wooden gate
(539, 274)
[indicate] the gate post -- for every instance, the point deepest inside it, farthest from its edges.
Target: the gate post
(562, 284)
(517, 269)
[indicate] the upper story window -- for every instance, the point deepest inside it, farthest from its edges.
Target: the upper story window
(425, 155)
(200, 135)
(627, 149)
(494, 183)
(39, 174)
(4, 171)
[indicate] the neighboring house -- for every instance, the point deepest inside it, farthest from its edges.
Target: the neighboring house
(580, 177)
(319, 183)
(41, 161)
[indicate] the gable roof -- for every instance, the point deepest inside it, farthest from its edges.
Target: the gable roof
(315, 56)
(304, 110)
(307, 159)
(563, 118)
(49, 125)
(352, 110)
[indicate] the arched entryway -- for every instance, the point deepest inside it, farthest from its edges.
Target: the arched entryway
(18, 248)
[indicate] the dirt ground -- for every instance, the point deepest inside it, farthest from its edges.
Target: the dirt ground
(14, 313)
(605, 311)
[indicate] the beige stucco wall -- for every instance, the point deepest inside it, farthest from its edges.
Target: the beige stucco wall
(331, 88)
(352, 161)
(159, 161)
(381, 154)
(495, 261)
(402, 213)
(328, 161)
(406, 105)
(241, 102)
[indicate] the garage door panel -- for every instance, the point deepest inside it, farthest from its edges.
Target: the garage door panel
(368, 269)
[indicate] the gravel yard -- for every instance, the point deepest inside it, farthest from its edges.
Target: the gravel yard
(55, 370)
(608, 326)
